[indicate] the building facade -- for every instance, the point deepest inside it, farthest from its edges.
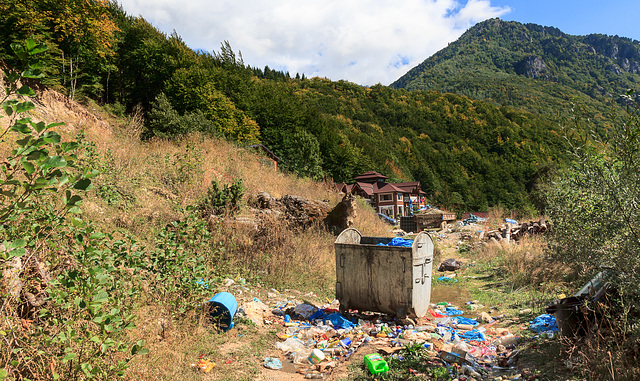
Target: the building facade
(391, 199)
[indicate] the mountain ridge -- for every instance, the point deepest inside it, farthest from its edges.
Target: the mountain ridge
(501, 61)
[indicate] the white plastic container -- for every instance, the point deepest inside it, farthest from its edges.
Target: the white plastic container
(316, 356)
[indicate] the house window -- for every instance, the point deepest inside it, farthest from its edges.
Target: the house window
(386, 210)
(386, 197)
(399, 196)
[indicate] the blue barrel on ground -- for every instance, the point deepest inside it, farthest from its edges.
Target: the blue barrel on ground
(221, 309)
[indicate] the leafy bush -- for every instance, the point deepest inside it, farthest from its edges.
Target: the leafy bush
(596, 222)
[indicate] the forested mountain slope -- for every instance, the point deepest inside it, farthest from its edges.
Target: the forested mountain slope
(468, 154)
(531, 67)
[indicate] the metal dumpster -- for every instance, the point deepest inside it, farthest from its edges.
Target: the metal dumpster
(388, 279)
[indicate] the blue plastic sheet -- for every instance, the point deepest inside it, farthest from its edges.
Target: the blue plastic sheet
(543, 323)
(464, 320)
(335, 318)
(450, 311)
(447, 279)
(397, 241)
(472, 335)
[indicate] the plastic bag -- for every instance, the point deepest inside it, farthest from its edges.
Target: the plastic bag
(272, 363)
(290, 345)
(450, 265)
(304, 310)
(543, 323)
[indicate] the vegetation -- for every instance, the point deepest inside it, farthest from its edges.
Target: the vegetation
(101, 271)
(534, 68)
(594, 209)
(467, 154)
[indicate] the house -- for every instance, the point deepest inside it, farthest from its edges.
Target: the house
(265, 156)
(391, 199)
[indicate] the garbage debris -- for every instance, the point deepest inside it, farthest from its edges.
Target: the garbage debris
(204, 365)
(375, 363)
(463, 345)
(272, 363)
(450, 265)
(543, 323)
(397, 241)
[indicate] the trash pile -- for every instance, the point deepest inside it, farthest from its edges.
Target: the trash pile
(318, 339)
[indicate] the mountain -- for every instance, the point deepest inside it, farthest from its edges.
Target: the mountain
(468, 154)
(532, 67)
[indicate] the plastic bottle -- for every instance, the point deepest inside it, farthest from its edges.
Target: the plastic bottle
(319, 376)
(460, 344)
(508, 340)
(375, 363)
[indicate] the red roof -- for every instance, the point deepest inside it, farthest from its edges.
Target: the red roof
(367, 188)
(389, 188)
(371, 175)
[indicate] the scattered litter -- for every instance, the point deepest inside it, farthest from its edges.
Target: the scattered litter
(204, 365)
(305, 310)
(272, 363)
(450, 265)
(544, 323)
(447, 279)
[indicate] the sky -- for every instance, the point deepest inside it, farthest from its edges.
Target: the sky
(363, 41)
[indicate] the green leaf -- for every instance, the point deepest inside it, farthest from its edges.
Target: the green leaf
(28, 167)
(39, 127)
(75, 210)
(17, 243)
(69, 356)
(16, 252)
(22, 128)
(26, 91)
(12, 76)
(51, 137)
(25, 106)
(55, 162)
(3, 374)
(33, 73)
(76, 222)
(83, 184)
(34, 48)
(74, 200)
(19, 51)
(101, 297)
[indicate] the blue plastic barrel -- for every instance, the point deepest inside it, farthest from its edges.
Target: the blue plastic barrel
(221, 308)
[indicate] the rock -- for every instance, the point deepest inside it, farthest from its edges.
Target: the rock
(343, 215)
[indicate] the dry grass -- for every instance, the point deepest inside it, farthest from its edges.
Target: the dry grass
(525, 263)
(146, 184)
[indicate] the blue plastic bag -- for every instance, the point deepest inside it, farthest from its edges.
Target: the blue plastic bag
(464, 320)
(450, 311)
(472, 335)
(543, 323)
(397, 241)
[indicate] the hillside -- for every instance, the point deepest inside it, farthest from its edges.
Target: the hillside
(467, 154)
(531, 67)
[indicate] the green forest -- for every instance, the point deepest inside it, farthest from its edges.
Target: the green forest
(468, 154)
(534, 68)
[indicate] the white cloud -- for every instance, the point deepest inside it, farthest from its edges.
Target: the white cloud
(362, 41)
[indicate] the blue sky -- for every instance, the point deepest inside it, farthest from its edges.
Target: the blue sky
(582, 17)
(364, 41)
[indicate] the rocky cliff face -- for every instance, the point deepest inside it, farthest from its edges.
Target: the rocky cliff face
(532, 67)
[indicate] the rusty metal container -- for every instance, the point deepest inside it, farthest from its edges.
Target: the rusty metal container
(388, 279)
